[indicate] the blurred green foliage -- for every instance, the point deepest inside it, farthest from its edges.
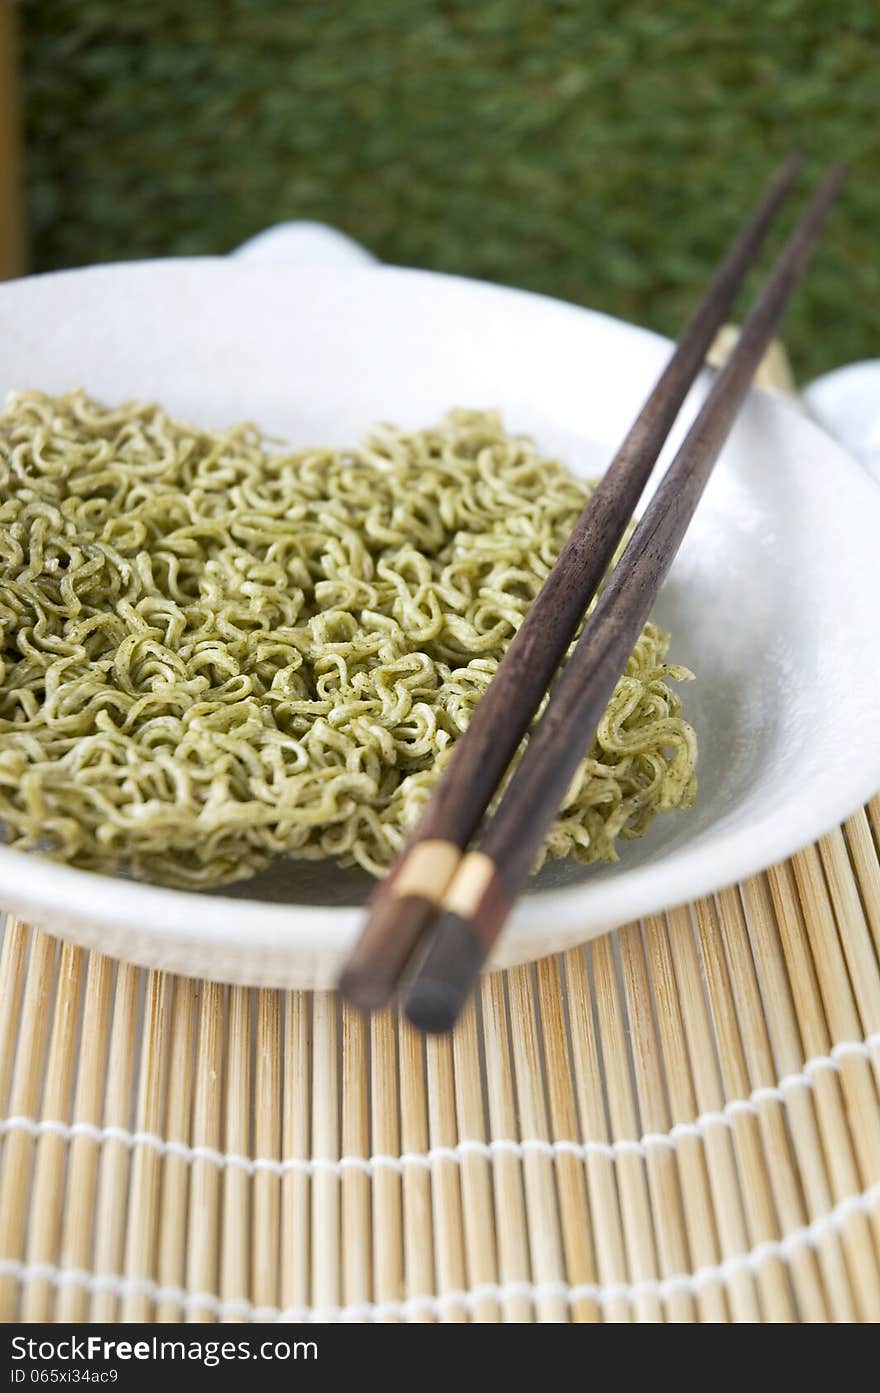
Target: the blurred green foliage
(594, 150)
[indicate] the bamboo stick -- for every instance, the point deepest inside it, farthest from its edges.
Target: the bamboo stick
(356, 1280)
(841, 1014)
(574, 1216)
(699, 1212)
(760, 1211)
(265, 1285)
(757, 1073)
(326, 1268)
(873, 811)
(113, 1174)
(827, 1090)
(800, 1111)
(295, 1237)
(721, 1164)
(631, 1178)
(51, 1151)
(662, 1171)
(143, 1192)
(415, 1188)
(171, 1260)
(866, 864)
(235, 1183)
(385, 1123)
(600, 1172)
(476, 1182)
(445, 1190)
(202, 1247)
(855, 937)
(27, 1078)
(83, 1159)
(542, 1213)
(13, 959)
(510, 1204)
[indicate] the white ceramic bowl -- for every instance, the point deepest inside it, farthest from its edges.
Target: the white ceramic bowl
(772, 600)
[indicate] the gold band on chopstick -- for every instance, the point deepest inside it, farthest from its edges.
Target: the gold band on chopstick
(436, 871)
(427, 870)
(472, 880)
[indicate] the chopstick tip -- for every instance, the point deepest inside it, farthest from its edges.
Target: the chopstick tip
(363, 991)
(444, 978)
(433, 1007)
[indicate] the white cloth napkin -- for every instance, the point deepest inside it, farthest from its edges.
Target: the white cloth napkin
(845, 403)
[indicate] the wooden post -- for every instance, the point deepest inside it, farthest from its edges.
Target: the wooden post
(12, 251)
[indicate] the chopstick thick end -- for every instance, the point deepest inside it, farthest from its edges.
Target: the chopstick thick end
(393, 928)
(400, 911)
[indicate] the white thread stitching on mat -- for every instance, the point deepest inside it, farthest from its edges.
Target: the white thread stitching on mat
(469, 1146)
(436, 1305)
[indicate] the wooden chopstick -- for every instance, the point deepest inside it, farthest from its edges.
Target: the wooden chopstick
(480, 896)
(404, 903)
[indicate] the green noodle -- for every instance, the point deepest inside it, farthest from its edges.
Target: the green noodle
(213, 653)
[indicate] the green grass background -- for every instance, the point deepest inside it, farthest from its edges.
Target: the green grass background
(594, 150)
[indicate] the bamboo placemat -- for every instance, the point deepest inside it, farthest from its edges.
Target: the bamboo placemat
(680, 1121)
